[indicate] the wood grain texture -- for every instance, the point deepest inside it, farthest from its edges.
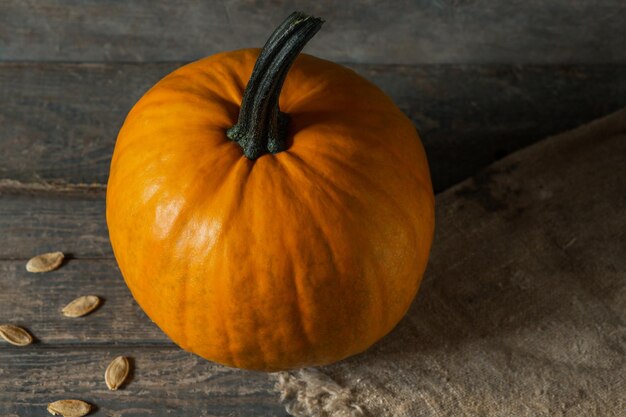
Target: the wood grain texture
(163, 382)
(46, 221)
(388, 31)
(69, 355)
(59, 121)
(34, 301)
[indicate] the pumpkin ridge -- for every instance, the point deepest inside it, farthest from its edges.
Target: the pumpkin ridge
(315, 219)
(217, 75)
(165, 105)
(293, 101)
(182, 217)
(308, 148)
(200, 201)
(233, 213)
(302, 316)
(357, 198)
(302, 165)
(245, 197)
(197, 205)
(228, 68)
(407, 218)
(374, 184)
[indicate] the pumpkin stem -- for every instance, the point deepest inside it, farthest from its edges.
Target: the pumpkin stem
(262, 127)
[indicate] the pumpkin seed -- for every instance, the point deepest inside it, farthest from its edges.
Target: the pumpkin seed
(45, 262)
(15, 335)
(69, 408)
(81, 306)
(117, 372)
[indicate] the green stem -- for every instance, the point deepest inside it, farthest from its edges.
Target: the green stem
(262, 127)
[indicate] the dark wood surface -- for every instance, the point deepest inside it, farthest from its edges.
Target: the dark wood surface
(165, 382)
(44, 221)
(479, 78)
(370, 31)
(36, 301)
(60, 120)
(69, 356)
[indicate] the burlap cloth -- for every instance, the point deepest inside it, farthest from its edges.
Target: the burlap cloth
(522, 311)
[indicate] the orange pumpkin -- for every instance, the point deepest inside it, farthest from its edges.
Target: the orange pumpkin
(267, 237)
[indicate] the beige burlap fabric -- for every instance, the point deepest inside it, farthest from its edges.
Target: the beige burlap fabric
(522, 311)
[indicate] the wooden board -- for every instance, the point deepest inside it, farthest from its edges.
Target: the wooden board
(371, 31)
(44, 221)
(35, 302)
(69, 355)
(59, 121)
(164, 382)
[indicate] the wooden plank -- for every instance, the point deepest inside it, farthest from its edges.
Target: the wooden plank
(371, 31)
(471, 116)
(163, 383)
(69, 356)
(60, 120)
(47, 221)
(34, 301)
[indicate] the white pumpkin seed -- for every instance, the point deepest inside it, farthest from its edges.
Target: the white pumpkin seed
(69, 408)
(81, 306)
(15, 335)
(45, 262)
(117, 372)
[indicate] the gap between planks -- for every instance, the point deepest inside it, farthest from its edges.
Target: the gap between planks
(65, 117)
(8, 185)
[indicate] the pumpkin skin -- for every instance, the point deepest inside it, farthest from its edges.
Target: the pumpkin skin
(298, 258)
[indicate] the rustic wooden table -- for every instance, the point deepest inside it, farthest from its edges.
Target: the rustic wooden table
(70, 355)
(70, 71)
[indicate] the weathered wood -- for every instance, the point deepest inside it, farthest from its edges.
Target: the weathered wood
(60, 120)
(163, 382)
(34, 301)
(417, 32)
(51, 221)
(69, 356)
(471, 116)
